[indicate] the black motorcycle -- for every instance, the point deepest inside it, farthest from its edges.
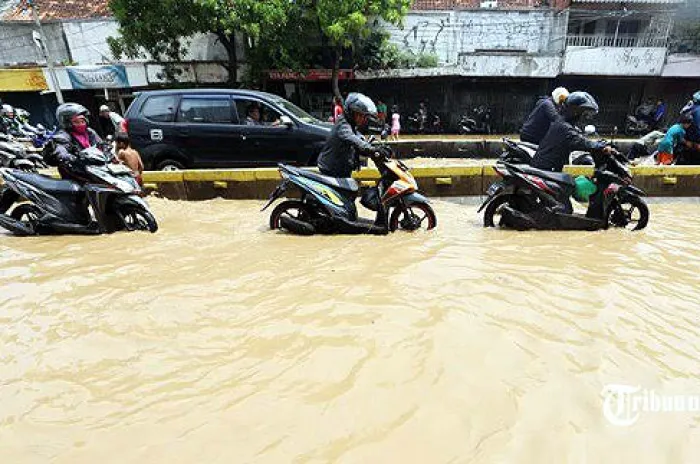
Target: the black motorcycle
(479, 122)
(327, 204)
(14, 155)
(529, 198)
(106, 200)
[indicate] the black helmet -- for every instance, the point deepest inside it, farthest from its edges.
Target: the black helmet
(578, 105)
(67, 111)
(584, 159)
(359, 103)
(686, 118)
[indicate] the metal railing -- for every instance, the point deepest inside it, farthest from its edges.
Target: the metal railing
(622, 41)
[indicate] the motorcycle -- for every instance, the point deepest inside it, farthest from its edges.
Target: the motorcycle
(13, 154)
(519, 152)
(478, 123)
(43, 137)
(327, 204)
(529, 198)
(642, 122)
(108, 201)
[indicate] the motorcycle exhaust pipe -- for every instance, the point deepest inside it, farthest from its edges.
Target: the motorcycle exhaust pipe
(296, 226)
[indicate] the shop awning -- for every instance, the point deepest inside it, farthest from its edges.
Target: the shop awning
(22, 80)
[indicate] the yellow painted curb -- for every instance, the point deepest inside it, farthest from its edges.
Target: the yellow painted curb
(163, 176)
(443, 180)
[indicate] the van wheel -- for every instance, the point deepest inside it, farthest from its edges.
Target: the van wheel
(170, 165)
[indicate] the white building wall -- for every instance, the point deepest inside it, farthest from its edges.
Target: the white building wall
(452, 34)
(87, 41)
(611, 61)
(88, 44)
(17, 45)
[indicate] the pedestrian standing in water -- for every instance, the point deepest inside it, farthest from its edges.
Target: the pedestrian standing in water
(395, 123)
(128, 156)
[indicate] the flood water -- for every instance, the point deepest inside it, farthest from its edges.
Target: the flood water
(218, 341)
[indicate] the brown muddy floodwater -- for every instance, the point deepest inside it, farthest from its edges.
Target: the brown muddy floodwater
(217, 341)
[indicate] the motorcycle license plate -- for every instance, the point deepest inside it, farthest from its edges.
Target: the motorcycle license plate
(118, 169)
(493, 189)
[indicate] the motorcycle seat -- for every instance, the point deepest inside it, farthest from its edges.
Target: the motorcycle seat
(47, 184)
(558, 177)
(347, 184)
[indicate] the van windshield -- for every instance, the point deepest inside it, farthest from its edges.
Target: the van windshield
(298, 112)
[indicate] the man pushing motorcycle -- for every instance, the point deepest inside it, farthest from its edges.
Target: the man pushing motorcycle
(341, 153)
(564, 137)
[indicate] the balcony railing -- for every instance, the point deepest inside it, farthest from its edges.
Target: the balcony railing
(622, 41)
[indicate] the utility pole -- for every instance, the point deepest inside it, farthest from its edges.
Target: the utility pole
(47, 54)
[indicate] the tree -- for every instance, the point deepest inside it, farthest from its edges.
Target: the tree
(342, 22)
(161, 27)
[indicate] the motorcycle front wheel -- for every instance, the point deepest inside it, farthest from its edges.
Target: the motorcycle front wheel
(136, 218)
(631, 213)
(492, 214)
(413, 217)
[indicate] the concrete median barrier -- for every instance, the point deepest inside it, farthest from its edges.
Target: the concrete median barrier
(679, 181)
(441, 181)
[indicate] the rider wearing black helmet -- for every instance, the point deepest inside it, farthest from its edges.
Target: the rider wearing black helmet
(563, 137)
(340, 154)
(74, 136)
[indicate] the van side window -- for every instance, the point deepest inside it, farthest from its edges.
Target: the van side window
(256, 113)
(161, 108)
(205, 110)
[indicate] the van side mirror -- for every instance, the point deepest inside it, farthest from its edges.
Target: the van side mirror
(286, 121)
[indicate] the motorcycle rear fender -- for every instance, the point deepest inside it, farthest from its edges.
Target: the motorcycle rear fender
(279, 191)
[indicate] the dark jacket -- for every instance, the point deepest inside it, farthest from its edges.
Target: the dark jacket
(538, 122)
(65, 151)
(555, 148)
(340, 154)
(693, 132)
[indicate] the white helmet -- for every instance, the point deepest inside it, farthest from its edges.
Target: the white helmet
(104, 108)
(559, 95)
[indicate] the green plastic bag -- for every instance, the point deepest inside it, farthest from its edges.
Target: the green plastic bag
(584, 188)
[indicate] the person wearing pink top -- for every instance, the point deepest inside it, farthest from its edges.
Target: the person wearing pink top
(395, 123)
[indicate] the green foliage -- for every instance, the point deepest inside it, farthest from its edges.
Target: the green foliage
(281, 34)
(160, 27)
(427, 60)
(376, 52)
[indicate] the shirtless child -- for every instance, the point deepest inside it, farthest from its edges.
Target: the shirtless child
(129, 156)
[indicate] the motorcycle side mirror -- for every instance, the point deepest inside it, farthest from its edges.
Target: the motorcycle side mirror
(286, 121)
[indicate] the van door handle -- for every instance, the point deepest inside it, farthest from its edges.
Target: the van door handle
(183, 131)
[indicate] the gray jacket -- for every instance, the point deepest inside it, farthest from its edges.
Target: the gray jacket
(340, 154)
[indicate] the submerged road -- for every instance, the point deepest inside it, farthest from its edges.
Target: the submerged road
(216, 340)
